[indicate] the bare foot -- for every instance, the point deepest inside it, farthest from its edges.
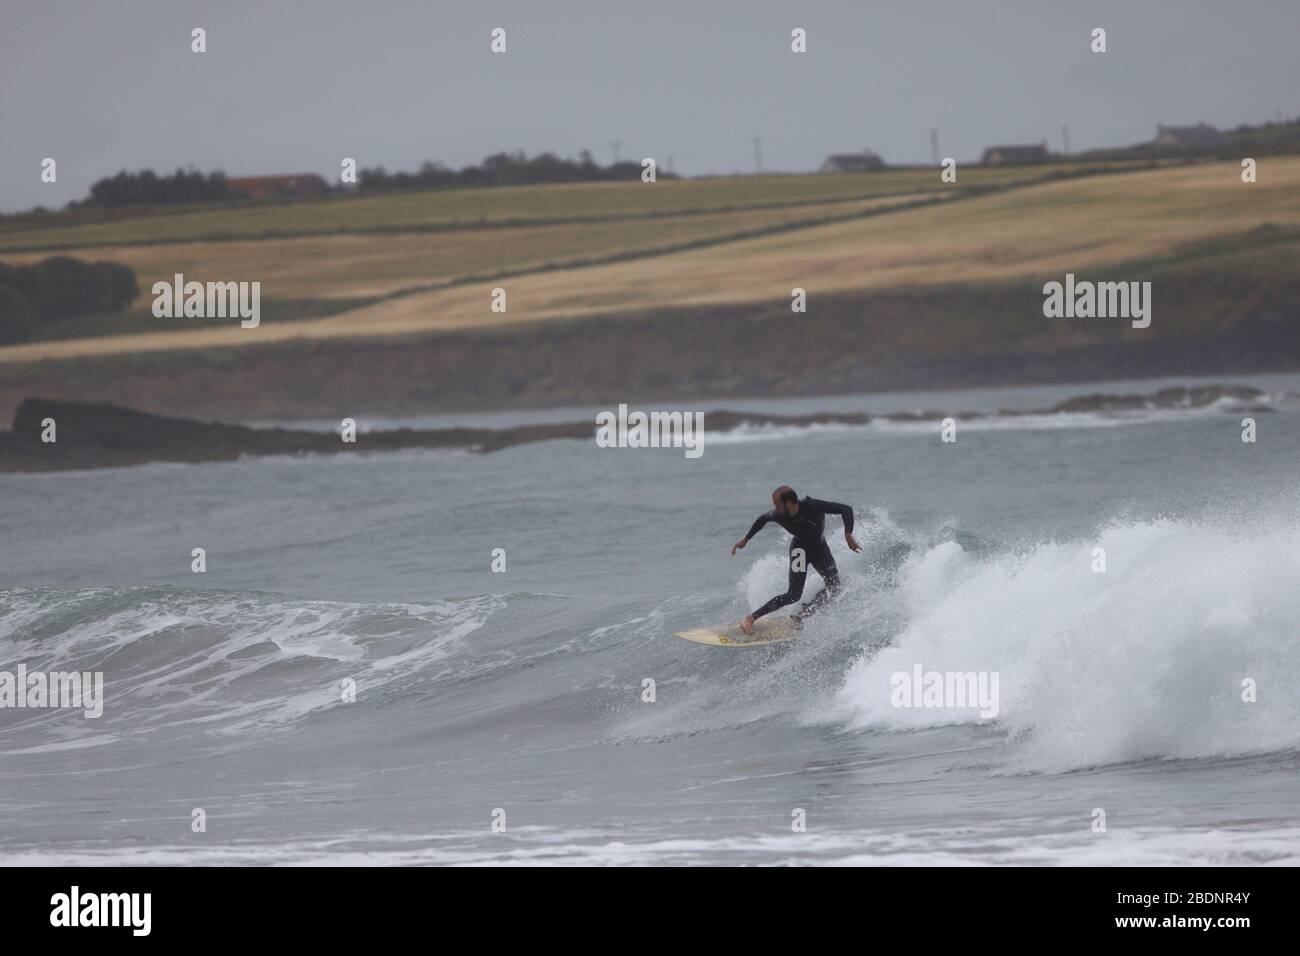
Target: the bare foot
(747, 625)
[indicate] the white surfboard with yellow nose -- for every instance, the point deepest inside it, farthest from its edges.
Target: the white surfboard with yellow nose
(767, 630)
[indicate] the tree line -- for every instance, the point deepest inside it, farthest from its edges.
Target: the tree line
(503, 169)
(146, 187)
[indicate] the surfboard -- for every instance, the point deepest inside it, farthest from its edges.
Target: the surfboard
(767, 630)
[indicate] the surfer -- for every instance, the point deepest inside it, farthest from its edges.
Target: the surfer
(805, 520)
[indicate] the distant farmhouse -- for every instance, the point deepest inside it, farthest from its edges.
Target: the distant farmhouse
(1015, 155)
(264, 187)
(852, 162)
(1200, 136)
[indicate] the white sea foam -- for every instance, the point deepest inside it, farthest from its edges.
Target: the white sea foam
(229, 662)
(1146, 660)
(1044, 421)
(550, 846)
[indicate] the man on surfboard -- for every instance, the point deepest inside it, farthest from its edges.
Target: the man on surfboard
(805, 520)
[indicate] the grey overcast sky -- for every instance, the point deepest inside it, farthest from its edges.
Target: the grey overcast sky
(290, 86)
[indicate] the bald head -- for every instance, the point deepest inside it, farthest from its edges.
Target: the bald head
(785, 501)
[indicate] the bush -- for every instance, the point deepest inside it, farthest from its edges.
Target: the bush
(62, 287)
(18, 278)
(17, 317)
(115, 284)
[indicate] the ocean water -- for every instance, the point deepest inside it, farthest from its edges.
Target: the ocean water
(521, 697)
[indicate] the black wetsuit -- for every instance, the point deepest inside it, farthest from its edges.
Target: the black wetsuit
(807, 546)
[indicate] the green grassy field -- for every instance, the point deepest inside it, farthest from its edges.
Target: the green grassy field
(467, 208)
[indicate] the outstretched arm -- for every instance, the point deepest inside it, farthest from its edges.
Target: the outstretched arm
(758, 524)
(845, 512)
(754, 529)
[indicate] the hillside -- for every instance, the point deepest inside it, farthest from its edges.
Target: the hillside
(906, 289)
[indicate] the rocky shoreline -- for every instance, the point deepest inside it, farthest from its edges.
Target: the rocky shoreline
(102, 435)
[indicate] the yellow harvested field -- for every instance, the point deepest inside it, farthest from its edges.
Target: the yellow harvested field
(1041, 230)
(356, 266)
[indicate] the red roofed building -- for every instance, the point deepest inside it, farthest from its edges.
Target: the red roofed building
(263, 187)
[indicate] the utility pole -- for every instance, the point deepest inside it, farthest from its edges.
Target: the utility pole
(616, 145)
(934, 146)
